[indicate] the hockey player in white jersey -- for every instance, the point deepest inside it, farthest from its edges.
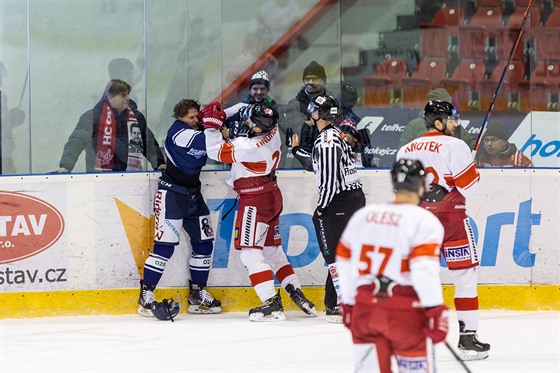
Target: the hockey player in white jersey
(254, 153)
(453, 177)
(388, 262)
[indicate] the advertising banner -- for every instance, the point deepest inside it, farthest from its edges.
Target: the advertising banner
(536, 134)
(94, 231)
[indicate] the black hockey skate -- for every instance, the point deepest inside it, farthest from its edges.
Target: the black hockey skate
(297, 296)
(271, 310)
(334, 315)
(146, 299)
(469, 345)
(200, 301)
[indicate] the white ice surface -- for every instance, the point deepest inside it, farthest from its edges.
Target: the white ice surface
(228, 342)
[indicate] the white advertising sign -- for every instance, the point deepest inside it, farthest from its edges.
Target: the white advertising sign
(94, 231)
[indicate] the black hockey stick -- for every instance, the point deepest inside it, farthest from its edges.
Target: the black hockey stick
(501, 81)
(457, 357)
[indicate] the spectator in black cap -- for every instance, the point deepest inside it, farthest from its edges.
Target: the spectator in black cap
(497, 151)
(296, 116)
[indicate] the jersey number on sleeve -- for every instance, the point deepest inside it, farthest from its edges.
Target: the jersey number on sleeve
(367, 259)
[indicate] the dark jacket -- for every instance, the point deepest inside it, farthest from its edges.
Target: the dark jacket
(84, 137)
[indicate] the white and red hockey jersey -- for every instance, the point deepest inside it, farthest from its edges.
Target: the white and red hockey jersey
(399, 241)
(447, 159)
(249, 156)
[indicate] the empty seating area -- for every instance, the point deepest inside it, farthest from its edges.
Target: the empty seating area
(466, 50)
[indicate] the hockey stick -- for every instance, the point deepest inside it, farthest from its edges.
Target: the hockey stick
(457, 357)
(501, 81)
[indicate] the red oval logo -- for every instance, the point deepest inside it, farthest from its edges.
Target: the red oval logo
(28, 226)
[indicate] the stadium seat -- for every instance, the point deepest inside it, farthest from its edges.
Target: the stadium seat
(451, 17)
(428, 74)
(488, 14)
(384, 88)
(540, 93)
(510, 87)
(463, 84)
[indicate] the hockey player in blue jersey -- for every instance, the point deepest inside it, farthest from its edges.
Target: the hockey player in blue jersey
(179, 203)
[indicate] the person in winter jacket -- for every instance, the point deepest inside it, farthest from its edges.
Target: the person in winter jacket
(496, 151)
(104, 134)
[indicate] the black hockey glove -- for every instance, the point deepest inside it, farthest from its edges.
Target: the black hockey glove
(239, 129)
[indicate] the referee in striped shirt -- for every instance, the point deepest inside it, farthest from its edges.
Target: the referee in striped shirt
(339, 188)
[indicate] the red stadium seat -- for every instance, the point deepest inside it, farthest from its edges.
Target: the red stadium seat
(463, 85)
(383, 88)
(452, 17)
(428, 75)
(540, 93)
(514, 74)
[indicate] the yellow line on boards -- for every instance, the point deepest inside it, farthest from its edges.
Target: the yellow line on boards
(241, 299)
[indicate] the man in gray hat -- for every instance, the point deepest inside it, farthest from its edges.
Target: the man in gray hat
(417, 126)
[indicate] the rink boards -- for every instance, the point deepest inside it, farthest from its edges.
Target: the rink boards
(75, 244)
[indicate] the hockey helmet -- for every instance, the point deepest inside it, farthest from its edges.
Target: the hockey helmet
(439, 110)
(408, 174)
(263, 117)
(327, 106)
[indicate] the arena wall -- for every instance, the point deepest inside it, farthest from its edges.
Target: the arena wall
(75, 244)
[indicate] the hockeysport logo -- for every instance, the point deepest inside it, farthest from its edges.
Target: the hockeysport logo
(28, 226)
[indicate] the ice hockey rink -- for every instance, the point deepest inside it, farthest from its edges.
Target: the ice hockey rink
(521, 342)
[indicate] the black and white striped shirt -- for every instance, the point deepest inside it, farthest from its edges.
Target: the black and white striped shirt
(333, 164)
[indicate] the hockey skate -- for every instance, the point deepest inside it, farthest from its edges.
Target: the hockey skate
(271, 310)
(146, 299)
(469, 346)
(297, 296)
(200, 301)
(334, 315)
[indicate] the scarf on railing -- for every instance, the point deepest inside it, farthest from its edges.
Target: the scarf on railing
(106, 140)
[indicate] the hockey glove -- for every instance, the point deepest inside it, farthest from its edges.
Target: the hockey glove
(213, 116)
(166, 309)
(244, 113)
(438, 323)
(239, 129)
(347, 315)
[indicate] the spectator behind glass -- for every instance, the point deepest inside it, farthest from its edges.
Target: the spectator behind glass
(496, 151)
(417, 126)
(259, 87)
(104, 133)
(296, 115)
(9, 119)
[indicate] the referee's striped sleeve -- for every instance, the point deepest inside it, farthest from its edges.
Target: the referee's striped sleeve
(329, 164)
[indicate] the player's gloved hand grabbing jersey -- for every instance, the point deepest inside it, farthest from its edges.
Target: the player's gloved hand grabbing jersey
(213, 116)
(438, 323)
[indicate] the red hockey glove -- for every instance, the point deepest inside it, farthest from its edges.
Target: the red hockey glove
(213, 116)
(438, 323)
(347, 315)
